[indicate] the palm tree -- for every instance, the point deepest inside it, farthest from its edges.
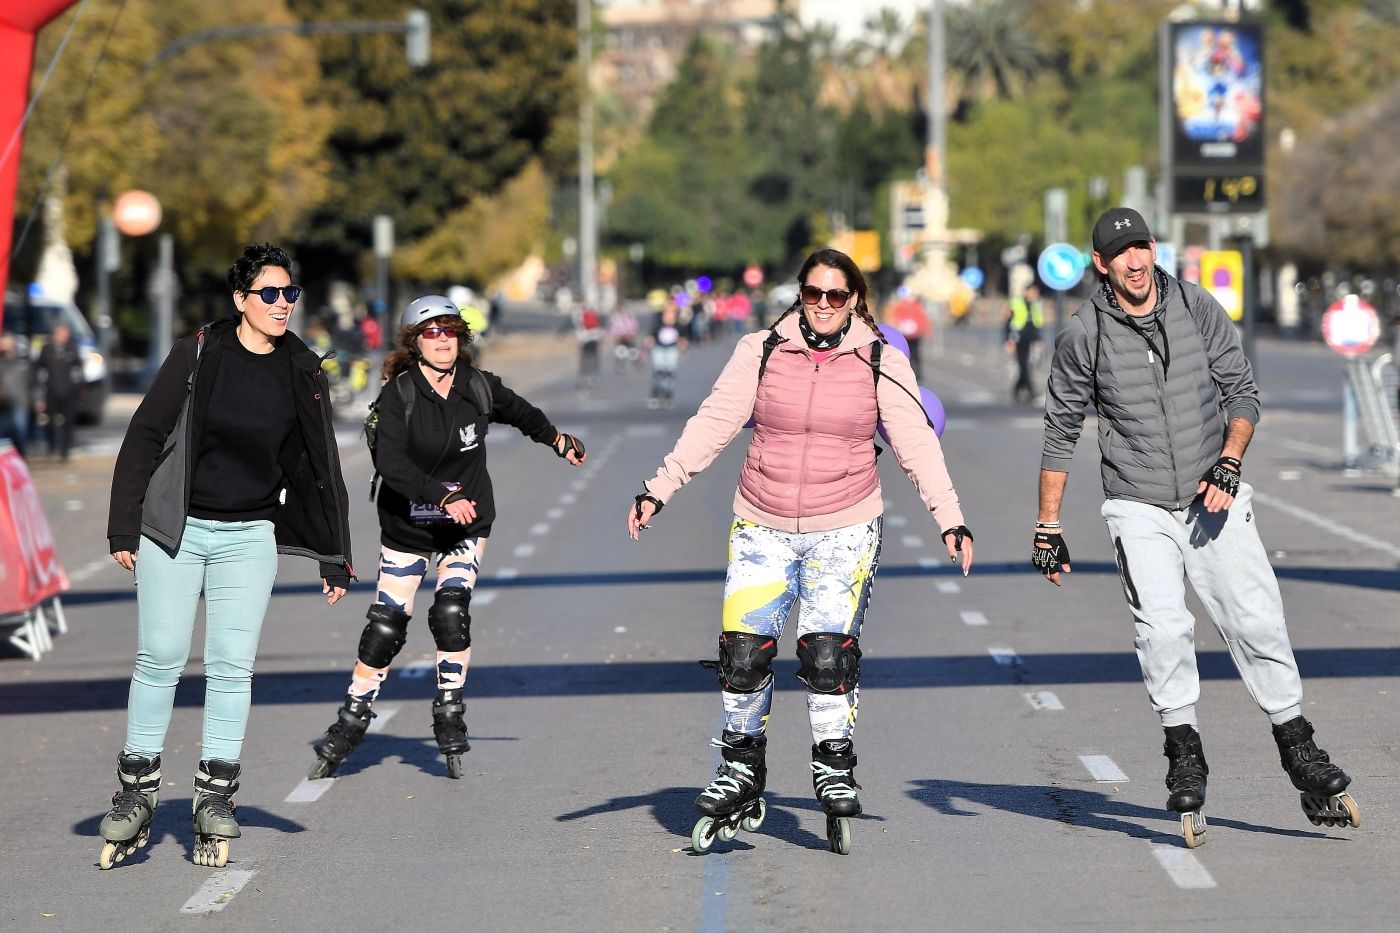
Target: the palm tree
(989, 50)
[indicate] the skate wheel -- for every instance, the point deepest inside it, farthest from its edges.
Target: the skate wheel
(110, 855)
(211, 853)
(142, 838)
(838, 834)
(321, 769)
(1353, 811)
(754, 819)
(727, 831)
(1193, 829)
(703, 836)
(454, 767)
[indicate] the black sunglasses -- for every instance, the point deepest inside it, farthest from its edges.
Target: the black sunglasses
(268, 293)
(836, 297)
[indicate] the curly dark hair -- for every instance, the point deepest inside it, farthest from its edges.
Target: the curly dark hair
(855, 281)
(246, 269)
(405, 352)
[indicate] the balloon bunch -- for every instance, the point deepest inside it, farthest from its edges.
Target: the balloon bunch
(933, 408)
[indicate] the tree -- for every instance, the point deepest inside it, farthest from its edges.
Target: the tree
(989, 49)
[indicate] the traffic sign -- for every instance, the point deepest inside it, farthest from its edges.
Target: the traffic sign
(1166, 257)
(1061, 266)
(753, 275)
(1351, 326)
(972, 277)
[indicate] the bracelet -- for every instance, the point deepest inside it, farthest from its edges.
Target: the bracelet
(1232, 461)
(1049, 524)
(450, 494)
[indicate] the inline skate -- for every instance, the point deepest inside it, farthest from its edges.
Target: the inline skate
(1186, 781)
(833, 778)
(1321, 784)
(127, 827)
(341, 738)
(450, 729)
(734, 799)
(214, 811)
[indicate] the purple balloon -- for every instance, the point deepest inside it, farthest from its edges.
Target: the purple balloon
(895, 338)
(933, 409)
(749, 423)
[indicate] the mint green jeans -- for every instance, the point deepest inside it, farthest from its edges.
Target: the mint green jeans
(234, 565)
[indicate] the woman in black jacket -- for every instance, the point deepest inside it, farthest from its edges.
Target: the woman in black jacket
(229, 459)
(435, 507)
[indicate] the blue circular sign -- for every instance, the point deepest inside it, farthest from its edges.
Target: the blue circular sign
(1061, 266)
(972, 277)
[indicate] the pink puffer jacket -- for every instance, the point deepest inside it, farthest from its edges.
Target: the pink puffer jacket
(811, 463)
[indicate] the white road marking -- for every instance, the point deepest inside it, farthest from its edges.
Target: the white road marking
(1043, 699)
(1103, 770)
(539, 528)
(94, 567)
(1005, 657)
(523, 550)
(948, 586)
(1289, 476)
(579, 485)
(646, 430)
(911, 541)
(1305, 447)
(484, 599)
(507, 573)
(554, 514)
(568, 498)
(74, 505)
(896, 521)
(973, 618)
(976, 397)
(309, 791)
(932, 562)
(215, 893)
(382, 715)
(1182, 866)
(417, 670)
(1329, 525)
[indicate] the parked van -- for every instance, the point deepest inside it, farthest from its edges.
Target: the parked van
(34, 319)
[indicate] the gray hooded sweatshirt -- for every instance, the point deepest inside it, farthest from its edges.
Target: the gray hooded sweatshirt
(1162, 403)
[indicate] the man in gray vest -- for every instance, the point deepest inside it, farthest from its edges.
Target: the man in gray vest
(1176, 402)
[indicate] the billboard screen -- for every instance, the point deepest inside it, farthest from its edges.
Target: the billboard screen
(1217, 96)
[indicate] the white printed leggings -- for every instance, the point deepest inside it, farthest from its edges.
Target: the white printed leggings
(1222, 556)
(831, 573)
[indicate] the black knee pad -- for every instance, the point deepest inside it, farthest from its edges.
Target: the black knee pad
(828, 662)
(745, 662)
(449, 620)
(383, 636)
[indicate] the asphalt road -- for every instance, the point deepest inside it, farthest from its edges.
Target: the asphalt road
(1011, 765)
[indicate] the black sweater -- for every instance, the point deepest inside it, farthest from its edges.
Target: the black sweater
(443, 442)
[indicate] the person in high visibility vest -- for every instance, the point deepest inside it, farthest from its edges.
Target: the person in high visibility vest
(1024, 321)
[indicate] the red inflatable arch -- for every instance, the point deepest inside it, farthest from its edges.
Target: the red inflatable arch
(20, 20)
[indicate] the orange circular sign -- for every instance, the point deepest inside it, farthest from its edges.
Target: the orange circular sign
(136, 213)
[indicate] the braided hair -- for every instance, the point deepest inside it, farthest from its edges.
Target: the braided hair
(855, 281)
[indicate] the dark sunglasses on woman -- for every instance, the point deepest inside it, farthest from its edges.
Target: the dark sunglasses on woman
(835, 297)
(268, 293)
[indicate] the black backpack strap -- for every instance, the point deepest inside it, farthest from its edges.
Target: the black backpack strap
(405, 386)
(876, 349)
(770, 343)
(480, 389)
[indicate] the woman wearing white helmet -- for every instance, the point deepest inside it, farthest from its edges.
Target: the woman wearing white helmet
(435, 506)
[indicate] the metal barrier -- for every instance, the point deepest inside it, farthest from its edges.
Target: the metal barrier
(1370, 404)
(32, 631)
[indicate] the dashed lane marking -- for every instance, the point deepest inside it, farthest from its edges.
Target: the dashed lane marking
(215, 893)
(1005, 657)
(523, 550)
(484, 599)
(539, 529)
(1043, 699)
(309, 791)
(554, 514)
(92, 568)
(1183, 867)
(579, 485)
(948, 586)
(1103, 770)
(568, 498)
(507, 573)
(973, 618)
(911, 541)
(896, 521)
(382, 715)
(1329, 525)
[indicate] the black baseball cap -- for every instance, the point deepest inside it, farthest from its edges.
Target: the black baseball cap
(1117, 229)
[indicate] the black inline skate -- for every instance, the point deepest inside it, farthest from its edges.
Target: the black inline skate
(214, 811)
(1321, 785)
(1186, 781)
(127, 827)
(341, 738)
(450, 729)
(833, 777)
(734, 798)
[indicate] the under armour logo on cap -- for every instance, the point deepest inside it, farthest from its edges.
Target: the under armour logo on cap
(1117, 229)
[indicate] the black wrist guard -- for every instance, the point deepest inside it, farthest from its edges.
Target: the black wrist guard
(1049, 559)
(565, 443)
(648, 497)
(1225, 476)
(958, 532)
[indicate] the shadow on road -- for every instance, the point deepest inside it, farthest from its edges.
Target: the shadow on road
(171, 824)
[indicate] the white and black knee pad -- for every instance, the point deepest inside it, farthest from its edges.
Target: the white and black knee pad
(384, 636)
(828, 662)
(745, 662)
(449, 619)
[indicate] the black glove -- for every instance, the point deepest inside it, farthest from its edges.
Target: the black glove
(958, 532)
(1225, 476)
(565, 443)
(1048, 560)
(648, 497)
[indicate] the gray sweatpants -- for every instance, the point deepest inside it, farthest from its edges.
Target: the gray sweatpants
(1222, 556)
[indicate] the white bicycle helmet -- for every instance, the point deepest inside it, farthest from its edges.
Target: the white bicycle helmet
(424, 309)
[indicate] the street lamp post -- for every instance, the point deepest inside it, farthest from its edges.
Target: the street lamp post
(587, 204)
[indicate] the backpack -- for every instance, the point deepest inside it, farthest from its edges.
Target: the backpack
(477, 384)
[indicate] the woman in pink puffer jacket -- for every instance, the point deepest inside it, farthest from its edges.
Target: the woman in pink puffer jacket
(807, 526)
